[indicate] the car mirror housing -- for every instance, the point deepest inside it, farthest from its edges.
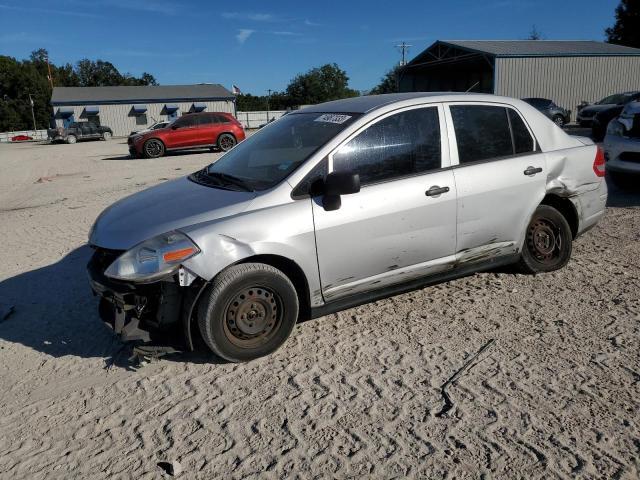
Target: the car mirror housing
(341, 183)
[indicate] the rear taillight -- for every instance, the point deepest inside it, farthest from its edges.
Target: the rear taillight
(598, 163)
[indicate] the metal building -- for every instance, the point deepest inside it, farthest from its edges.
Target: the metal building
(567, 72)
(126, 109)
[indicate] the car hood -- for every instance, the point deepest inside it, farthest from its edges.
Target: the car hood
(169, 206)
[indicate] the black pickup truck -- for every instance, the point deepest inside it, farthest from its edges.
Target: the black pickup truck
(79, 131)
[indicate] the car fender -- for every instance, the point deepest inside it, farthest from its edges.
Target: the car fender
(284, 230)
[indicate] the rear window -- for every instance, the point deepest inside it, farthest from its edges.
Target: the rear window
(485, 132)
(482, 132)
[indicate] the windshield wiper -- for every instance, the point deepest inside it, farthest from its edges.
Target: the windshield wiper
(230, 180)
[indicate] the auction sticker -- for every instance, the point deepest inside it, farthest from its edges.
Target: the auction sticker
(332, 118)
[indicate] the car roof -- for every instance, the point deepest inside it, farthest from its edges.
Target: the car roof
(368, 103)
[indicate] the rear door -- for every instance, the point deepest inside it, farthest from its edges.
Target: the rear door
(185, 134)
(208, 128)
(500, 176)
(397, 228)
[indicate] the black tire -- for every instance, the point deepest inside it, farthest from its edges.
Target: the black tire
(248, 311)
(548, 242)
(558, 120)
(153, 148)
(226, 142)
(625, 181)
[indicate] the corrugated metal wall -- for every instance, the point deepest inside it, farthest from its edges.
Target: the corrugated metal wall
(566, 80)
(122, 120)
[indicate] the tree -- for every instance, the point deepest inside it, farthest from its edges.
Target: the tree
(22, 80)
(321, 84)
(388, 83)
(534, 33)
(626, 30)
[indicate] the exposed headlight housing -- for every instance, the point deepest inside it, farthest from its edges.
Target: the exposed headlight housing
(615, 128)
(153, 258)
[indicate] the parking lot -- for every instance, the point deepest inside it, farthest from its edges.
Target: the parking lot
(555, 393)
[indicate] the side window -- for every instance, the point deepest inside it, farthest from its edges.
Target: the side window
(482, 132)
(204, 120)
(522, 139)
(311, 184)
(221, 119)
(406, 143)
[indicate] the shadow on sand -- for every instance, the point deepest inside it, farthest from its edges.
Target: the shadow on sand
(55, 312)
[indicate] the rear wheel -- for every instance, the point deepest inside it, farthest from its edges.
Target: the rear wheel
(226, 142)
(106, 136)
(249, 311)
(548, 242)
(71, 139)
(153, 148)
(558, 120)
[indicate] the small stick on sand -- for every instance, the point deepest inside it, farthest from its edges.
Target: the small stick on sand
(448, 404)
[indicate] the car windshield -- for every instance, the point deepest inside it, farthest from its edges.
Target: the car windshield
(270, 155)
(617, 99)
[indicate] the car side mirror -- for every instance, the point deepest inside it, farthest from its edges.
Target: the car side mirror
(341, 183)
(336, 184)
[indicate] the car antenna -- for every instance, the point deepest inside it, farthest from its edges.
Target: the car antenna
(471, 87)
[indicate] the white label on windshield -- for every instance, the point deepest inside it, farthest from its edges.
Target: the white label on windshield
(332, 118)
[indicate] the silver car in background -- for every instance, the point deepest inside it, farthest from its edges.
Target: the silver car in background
(339, 204)
(622, 147)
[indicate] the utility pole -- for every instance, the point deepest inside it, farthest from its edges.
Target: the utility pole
(50, 77)
(404, 49)
(268, 98)
(33, 116)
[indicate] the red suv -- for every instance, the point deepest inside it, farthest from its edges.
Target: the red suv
(193, 130)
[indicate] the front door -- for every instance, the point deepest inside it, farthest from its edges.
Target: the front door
(183, 132)
(399, 226)
(500, 179)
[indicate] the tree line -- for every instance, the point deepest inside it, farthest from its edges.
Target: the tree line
(23, 81)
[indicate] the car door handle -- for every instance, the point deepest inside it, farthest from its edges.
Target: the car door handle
(530, 171)
(436, 190)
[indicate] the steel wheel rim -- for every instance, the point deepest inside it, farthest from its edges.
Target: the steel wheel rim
(227, 142)
(152, 148)
(545, 241)
(253, 316)
(559, 121)
(107, 136)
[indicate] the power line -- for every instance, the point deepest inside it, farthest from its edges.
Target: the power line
(404, 49)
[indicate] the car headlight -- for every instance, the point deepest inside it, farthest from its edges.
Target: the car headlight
(615, 128)
(153, 258)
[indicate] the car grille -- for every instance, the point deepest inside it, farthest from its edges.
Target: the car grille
(630, 157)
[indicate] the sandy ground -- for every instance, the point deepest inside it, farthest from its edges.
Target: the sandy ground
(353, 394)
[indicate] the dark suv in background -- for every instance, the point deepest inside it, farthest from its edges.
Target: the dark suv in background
(193, 130)
(560, 116)
(79, 131)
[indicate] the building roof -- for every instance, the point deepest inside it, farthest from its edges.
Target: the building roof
(139, 94)
(524, 48)
(543, 47)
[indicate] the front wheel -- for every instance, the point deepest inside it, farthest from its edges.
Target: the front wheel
(106, 136)
(153, 148)
(226, 142)
(71, 139)
(559, 120)
(249, 311)
(548, 242)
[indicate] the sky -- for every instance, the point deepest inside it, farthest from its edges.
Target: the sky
(263, 45)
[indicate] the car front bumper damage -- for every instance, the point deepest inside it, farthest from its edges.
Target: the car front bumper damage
(148, 312)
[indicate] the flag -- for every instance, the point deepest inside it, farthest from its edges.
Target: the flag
(235, 90)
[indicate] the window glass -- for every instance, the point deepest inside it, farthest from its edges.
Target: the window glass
(267, 157)
(141, 119)
(403, 144)
(221, 119)
(206, 119)
(482, 132)
(522, 139)
(187, 121)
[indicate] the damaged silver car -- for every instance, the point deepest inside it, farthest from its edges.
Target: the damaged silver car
(338, 204)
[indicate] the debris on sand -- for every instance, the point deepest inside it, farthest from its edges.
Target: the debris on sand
(6, 312)
(173, 468)
(448, 404)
